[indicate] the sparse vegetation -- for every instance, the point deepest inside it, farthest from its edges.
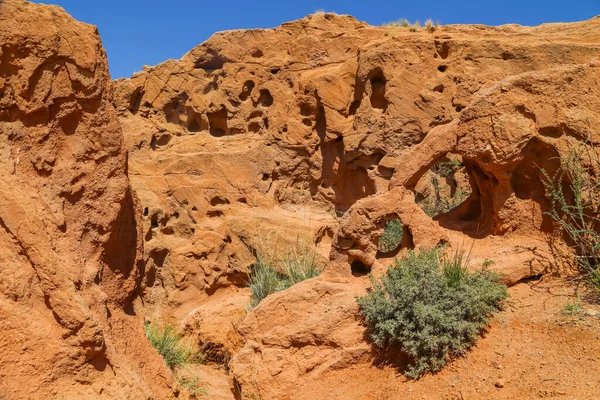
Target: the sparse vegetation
(436, 203)
(573, 308)
(574, 191)
(392, 236)
(170, 345)
(431, 307)
(414, 27)
(191, 385)
(270, 275)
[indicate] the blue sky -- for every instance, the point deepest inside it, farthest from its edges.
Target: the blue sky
(137, 33)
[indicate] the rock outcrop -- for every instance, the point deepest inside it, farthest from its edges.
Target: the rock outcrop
(70, 247)
(324, 128)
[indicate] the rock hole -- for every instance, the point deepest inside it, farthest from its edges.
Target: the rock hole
(443, 187)
(254, 127)
(265, 177)
(275, 71)
(442, 48)
(359, 268)
(442, 68)
(145, 211)
(265, 99)
(217, 122)
(214, 213)
(257, 53)
(218, 201)
(307, 121)
(459, 108)
(246, 90)
(378, 83)
(194, 208)
(551, 131)
(439, 88)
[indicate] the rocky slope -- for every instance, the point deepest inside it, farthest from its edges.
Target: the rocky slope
(70, 248)
(256, 138)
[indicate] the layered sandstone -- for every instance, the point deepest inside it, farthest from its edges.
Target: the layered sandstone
(70, 246)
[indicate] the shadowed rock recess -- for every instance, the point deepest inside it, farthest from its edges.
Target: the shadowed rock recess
(317, 132)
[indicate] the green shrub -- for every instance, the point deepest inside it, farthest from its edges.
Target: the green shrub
(432, 309)
(392, 236)
(573, 308)
(268, 275)
(574, 192)
(170, 345)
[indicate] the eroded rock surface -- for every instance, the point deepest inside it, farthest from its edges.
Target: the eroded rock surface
(322, 129)
(70, 248)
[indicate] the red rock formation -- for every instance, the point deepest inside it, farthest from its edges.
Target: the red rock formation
(328, 113)
(69, 241)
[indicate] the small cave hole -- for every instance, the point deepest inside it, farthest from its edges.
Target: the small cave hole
(246, 90)
(257, 53)
(307, 122)
(378, 83)
(275, 71)
(265, 99)
(218, 201)
(145, 211)
(442, 68)
(359, 268)
(265, 177)
(254, 127)
(439, 88)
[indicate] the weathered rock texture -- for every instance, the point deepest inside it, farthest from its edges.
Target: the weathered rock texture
(70, 250)
(256, 137)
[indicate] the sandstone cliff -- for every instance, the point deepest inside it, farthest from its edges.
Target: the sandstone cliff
(326, 128)
(70, 246)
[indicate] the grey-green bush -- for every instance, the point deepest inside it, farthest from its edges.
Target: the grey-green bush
(575, 195)
(392, 236)
(431, 313)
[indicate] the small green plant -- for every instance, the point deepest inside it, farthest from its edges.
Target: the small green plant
(574, 191)
(191, 385)
(573, 308)
(269, 275)
(170, 345)
(432, 309)
(392, 236)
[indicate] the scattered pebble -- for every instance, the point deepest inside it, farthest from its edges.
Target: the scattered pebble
(500, 383)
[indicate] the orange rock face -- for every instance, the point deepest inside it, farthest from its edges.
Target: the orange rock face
(314, 133)
(70, 247)
(324, 128)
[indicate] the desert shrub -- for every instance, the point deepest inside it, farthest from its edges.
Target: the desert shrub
(191, 385)
(574, 191)
(392, 236)
(432, 308)
(170, 345)
(573, 308)
(270, 275)
(436, 203)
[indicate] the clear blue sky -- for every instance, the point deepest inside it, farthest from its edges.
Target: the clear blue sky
(137, 33)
